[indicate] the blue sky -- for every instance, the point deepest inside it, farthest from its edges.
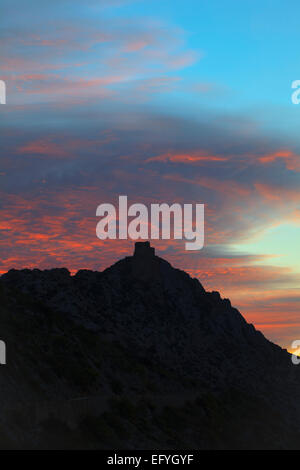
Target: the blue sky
(250, 54)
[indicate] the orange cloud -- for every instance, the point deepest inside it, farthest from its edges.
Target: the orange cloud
(64, 148)
(43, 147)
(278, 194)
(191, 157)
(291, 159)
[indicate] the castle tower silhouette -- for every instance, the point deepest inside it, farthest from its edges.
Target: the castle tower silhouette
(144, 249)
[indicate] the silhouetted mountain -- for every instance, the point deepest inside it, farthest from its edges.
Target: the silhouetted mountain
(138, 356)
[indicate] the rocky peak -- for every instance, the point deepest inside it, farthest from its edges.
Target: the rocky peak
(143, 330)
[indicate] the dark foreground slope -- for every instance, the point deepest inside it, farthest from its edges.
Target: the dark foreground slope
(138, 356)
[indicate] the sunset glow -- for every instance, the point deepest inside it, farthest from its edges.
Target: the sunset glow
(123, 97)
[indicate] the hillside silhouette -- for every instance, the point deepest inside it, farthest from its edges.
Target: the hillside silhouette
(139, 356)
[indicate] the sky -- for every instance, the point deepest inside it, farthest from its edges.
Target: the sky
(163, 101)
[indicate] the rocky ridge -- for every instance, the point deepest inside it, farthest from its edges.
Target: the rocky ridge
(150, 335)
